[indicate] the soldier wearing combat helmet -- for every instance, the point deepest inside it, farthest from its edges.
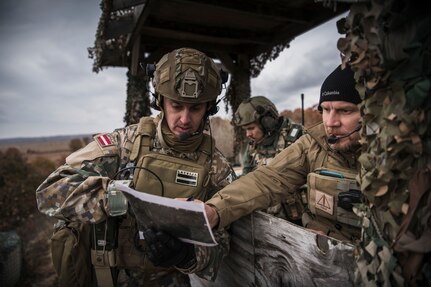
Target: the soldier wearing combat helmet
(269, 134)
(79, 193)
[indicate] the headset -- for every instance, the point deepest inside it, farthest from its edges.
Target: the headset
(268, 117)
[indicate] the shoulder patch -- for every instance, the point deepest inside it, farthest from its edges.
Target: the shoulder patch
(104, 140)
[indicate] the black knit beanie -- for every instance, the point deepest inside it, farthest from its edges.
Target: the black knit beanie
(339, 86)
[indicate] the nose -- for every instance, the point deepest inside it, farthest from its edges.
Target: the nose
(248, 133)
(332, 119)
(185, 117)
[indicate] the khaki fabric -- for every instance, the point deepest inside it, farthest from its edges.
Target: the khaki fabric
(287, 172)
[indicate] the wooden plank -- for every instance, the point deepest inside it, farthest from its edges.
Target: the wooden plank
(182, 35)
(238, 267)
(288, 255)
(269, 251)
(123, 4)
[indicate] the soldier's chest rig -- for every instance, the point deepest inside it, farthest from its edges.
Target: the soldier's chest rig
(154, 173)
(333, 191)
(181, 177)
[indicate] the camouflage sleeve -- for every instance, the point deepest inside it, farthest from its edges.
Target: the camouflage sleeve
(248, 163)
(209, 259)
(222, 172)
(76, 190)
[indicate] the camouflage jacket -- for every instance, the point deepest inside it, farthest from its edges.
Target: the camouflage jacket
(77, 190)
(284, 175)
(262, 153)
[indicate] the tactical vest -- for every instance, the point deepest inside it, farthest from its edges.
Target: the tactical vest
(178, 177)
(157, 174)
(332, 193)
(330, 190)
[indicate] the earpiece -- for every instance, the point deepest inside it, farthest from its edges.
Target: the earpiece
(268, 118)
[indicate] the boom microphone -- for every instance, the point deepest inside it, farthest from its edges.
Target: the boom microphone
(333, 139)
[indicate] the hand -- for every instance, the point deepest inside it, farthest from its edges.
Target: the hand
(165, 250)
(211, 212)
(212, 215)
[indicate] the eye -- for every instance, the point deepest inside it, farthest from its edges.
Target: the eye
(176, 106)
(346, 111)
(325, 109)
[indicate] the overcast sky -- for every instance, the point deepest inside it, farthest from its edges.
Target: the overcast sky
(47, 86)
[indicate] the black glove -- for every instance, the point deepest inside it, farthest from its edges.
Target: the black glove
(165, 250)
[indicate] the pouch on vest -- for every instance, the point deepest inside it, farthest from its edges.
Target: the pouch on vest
(70, 251)
(331, 194)
(175, 177)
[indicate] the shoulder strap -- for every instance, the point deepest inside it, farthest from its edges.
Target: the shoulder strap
(145, 132)
(205, 149)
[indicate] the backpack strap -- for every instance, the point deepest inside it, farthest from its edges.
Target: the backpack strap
(145, 132)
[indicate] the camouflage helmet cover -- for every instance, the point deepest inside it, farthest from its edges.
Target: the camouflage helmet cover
(252, 109)
(187, 75)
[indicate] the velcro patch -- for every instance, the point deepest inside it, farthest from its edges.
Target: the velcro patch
(104, 140)
(325, 202)
(187, 177)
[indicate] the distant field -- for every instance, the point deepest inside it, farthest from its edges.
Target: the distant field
(53, 148)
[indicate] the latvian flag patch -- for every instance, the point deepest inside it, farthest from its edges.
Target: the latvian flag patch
(104, 140)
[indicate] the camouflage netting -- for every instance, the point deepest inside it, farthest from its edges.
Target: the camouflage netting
(388, 44)
(116, 45)
(138, 98)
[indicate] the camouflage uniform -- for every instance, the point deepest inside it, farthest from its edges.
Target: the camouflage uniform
(269, 185)
(278, 133)
(257, 154)
(76, 191)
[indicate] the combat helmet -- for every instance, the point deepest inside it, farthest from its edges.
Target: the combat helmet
(257, 109)
(187, 75)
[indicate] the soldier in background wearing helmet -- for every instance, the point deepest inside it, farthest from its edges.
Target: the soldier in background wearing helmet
(186, 84)
(325, 158)
(269, 133)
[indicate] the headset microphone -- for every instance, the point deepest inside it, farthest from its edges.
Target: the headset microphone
(333, 139)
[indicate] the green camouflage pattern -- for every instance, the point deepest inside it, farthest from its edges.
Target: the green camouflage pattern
(259, 154)
(388, 45)
(76, 191)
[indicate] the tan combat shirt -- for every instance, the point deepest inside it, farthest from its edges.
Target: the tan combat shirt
(268, 185)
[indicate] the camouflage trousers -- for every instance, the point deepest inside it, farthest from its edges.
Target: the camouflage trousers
(129, 278)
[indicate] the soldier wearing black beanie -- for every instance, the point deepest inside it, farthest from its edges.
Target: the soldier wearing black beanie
(339, 86)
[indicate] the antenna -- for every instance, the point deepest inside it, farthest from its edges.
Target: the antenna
(302, 110)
